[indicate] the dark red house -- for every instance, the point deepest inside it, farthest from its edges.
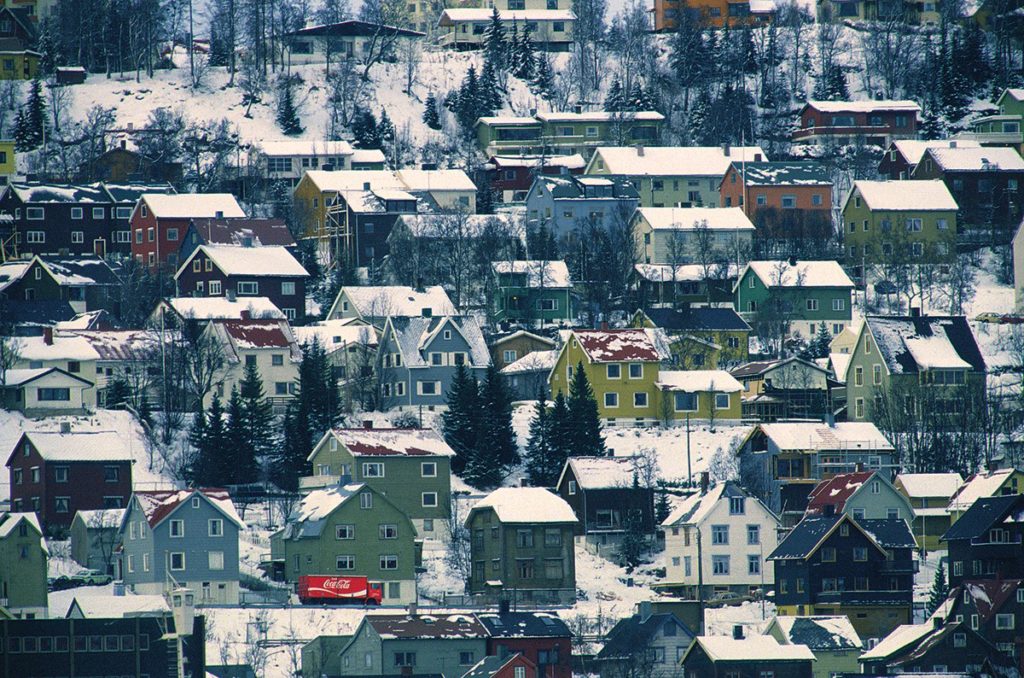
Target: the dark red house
(512, 666)
(254, 232)
(159, 223)
(542, 638)
(57, 473)
(510, 176)
(235, 272)
(876, 123)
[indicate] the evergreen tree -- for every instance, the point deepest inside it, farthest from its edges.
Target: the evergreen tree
(257, 412)
(615, 101)
(837, 89)
(296, 443)
(243, 467)
(821, 345)
(541, 454)
(431, 116)
(287, 114)
(544, 80)
(561, 430)
(584, 420)
(939, 592)
(467, 104)
(526, 59)
(211, 466)
(197, 440)
(931, 123)
(385, 128)
(489, 99)
(484, 199)
(635, 97)
(662, 506)
(495, 45)
(30, 122)
(365, 131)
(633, 544)
(460, 422)
(119, 393)
(496, 434)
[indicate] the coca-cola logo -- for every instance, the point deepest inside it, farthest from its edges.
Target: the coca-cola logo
(338, 583)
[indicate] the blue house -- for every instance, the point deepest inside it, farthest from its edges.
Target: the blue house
(174, 538)
(417, 358)
(563, 203)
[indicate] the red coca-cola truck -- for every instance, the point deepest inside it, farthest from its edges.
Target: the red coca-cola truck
(325, 589)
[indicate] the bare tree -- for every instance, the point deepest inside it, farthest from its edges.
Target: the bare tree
(890, 49)
(458, 555)
(388, 17)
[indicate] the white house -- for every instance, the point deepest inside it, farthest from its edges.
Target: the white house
(70, 354)
(288, 159)
(374, 303)
(681, 235)
(267, 344)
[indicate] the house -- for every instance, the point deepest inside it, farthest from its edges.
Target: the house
(23, 556)
(566, 205)
(610, 496)
(351, 347)
(58, 218)
(57, 473)
(532, 291)
(903, 155)
(737, 656)
(896, 13)
(928, 363)
(985, 542)
(350, 530)
(986, 183)
(409, 467)
(69, 353)
(838, 565)
(929, 494)
(159, 222)
(8, 161)
(510, 176)
(45, 391)
(711, 13)
(123, 164)
(873, 122)
(343, 41)
(232, 271)
(769, 191)
(671, 176)
(417, 359)
(937, 648)
(542, 638)
(86, 283)
(176, 311)
(288, 159)
(991, 483)
(19, 38)
(509, 348)
(708, 395)
(717, 540)
(861, 494)
(506, 666)
(118, 607)
(886, 221)
(665, 286)
(267, 344)
(373, 304)
(789, 388)
(833, 640)
(991, 608)
(647, 643)
(131, 355)
(527, 377)
(465, 27)
(566, 133)
(691, 235)
(785, 460)
(189, 538)
(420, 645)
(722, 335)
(95, 538)
(522, 546)
(1004, 128)
(249, 232)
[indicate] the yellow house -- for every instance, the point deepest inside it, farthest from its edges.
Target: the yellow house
(988, 484)
(929, 495)
(8, 161)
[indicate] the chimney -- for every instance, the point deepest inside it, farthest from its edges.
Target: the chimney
(640, 150)
(758, 157)
(937, 622)
(426, 312)
(65, 427)
(577, 108)
(737, 631)
(412, 609)
(859, 467)
(48, 336)
(705, 480)
(533, 112)
(604, 325)
(366, 185)
(244, 314)
(726, 149)
(952, 144)
(368, 424)
(219, 214)
(503, 606)
(644, 608)
(131, 126)
(915, 311)
(124, 144)
(792, 260)
(830, 510)
(992, 466)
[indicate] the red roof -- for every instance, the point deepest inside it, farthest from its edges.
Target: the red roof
(235, 231)
(836, 491)
(158, 504)
(413, 442)
(618, 345)
(257, 333)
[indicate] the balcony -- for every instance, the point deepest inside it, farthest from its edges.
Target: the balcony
(899, 566)
(805, 133)
(997, 550)
(994, 138)
(879, 598)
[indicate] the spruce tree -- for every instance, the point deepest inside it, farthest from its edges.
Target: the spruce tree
(585, 422)
(496, 431)
(662, 505)
(635, 97)
(940, 590)
(561, 431)
(544, 81)
(119, 393)
(195, 470)
(365, 131)
(615, 100)
(540, 451)
(495, 45)
(467, 104)
(385, 129)
(243, 467)
(296, 443)
(489, 99)
(30, 122)
(431, 115)
(526, 59)
(821, 345)
(212, 463)
(460, 422)
(633, 544)
(257, 412)
(287, 115)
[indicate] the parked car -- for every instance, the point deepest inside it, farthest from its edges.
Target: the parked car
(726, 598)
(89, 578)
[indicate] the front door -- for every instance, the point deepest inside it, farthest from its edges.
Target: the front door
(99, 247)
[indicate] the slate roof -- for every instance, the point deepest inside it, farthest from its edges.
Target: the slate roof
(783, 173)
(631, 635)
(130, 193)
(821, 633)
(697, 319)
(982, 515)
(889, 533)
(81, 271)
(803, 539)
(524, 625)
(442, 626)
(415, 334)
(907, 344)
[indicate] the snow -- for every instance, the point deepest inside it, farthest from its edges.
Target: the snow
(470, 225)
(193, 205)
(694, 509)
(539, 273)
(669, 446)
(624, 345)
(703, 161)
(901, 637)
(699, 381)
(411, 442)
(687, 218)
(977, 159)
(222, 308)
(102, 518)
(683, 273)
(304, 147)
(10, 521)
(121, 344)
(337, 334)
(844, 435)
(979, 486)
(63, 348)
(158, 505)
(527, 505)
(598, 473)
(804, 274)
(396, 300)
(840, 363)
(532, 362)
(930, 484)
(843, 633)
(866, 106)
(18, 376)
(598, 116)
(268, 261)
(913, 150)
(571, 162)
(913, 195)
(758, 648)
(89, 445)
(935, 352)
(459, 14)
(128, 605)
(319, 504)
(436, 180)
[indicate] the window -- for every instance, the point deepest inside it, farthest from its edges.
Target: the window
(816, 199)
(76, 213)
(860, 554)
(721, 401)
(366, 500)
(62, 504)
(60, 474)
(636, 371)
(753, 564)
(34, 213)
(720, 565)
(639, 400)
(343, 532)
(177, 528)
(177, 561)
(247, 289)
(812, 304)
(288, 289)
(753, 535)
(281, 388)
(719, 534)
(959, 640)
(553, 568)
(508, 356)
(552, 536)
(737, 506)
(277, 360)
(468, 658)
(428, 499)
(828, 554)
(685, 402)
(150, 234)
(788, 201)
(428, 387)
(405, 659)
(614, 370)
(387, 531)
(388, 562)
(858, 513)
(1004, 622)
(428, 469)
(172, 233)
(373, 469)
(524, 538)
(345, 562)
(216, 560)
(611, 399)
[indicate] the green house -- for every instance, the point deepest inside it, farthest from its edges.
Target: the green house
(899, 221)
(23, 557)
(832, 639)
(794, 298)
(566, 133)
(535, 291)
(411, 467)
(350, 530)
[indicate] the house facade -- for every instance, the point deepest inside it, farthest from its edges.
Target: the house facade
(691, 235)
(745, 657)
(251, 232)
(840, 123)
(542, 638)
(568, 204)
(929, 494)
(59, 218)
(833, 640)
(510, 176)
(85, 283)
(159, 222)
(861, 494)
(983, 544)
(510, 348)
(760, 187)
(648, 642)
(722, 336)
(23, 558)
(267, 344)
(901, 158)
(94, 538)
(990, 608)
(288, 159)
(339, 41)
(532, 291)
(566, 133)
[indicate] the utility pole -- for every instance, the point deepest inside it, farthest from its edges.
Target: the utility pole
(689, 464)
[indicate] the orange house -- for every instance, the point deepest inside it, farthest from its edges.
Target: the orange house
(713, 13)
(757, 186)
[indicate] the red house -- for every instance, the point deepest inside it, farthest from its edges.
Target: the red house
(542, 638)
(515, 666)
(159, 222)
(510, 176)
(57, 473)
(848, 122)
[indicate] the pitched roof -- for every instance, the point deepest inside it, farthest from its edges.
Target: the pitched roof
(811, 435)
(750, 649)
(436, 180)
(674, 160)
(978, 486)
(804, 538)
(576, 188)
(336, 334)
(527, 505)
(539, 273)
(606, 346)
(269, 261)
(599, 116)
(285, 148)
(820, 633)
(697, 319)
(80, 271)
(698, 381)
(440, 626)
(9, 520)
(989, 594)
(571, 162)
(910, 194)
(86, 445)
(524, 625)
(688, 218)
(20, 377)
(129, 194)
(415, 334)
(534, 361)
(454, 14)
(492, 664)
(101, 518)
(803, 274)
(913, 150)
(192, 205)
(696, 507)
(889, 533)
(632, 634)
(33, 192)
(309, 518)
(127, 605)
(911, 344)
(783, 173)
(257, 333)
(901, 637)
(394, 300)
(930, 484)
(157, 505)
(121, 344)
(222, 308)
(258, 232)
(683, 272)
(836, 491)
(986, 159)
(868, 106)
(982, 515)
(354, 27)
(63, 347)
(761, 367)
(601, 473)
(392, 442)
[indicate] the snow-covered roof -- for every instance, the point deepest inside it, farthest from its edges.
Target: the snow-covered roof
(10, 520)
(601, 473)
(88, 445)
(987, 159)
(751, 648)
(840, 364)
(18, 377)
(698, 381)
(440, 626)
(128, 605)
(59, 193)
(335, 334)
(273, 261)
(120, 344)
(393, 300)
(527, 505)
(222, 308)
(392, 442)
(803, 173)
(688, 218)
(803, 274)
(930, 484)
(258, 333)
(159, 504)
(574, 161)
(683, 272)
(867, 106)
(912, 344)
(415, 335)
(539, 273)
(507, 120)
(811, 435)
(304, 147)
(458, 14)
(102, 518)
(535, 361)
(622, 345)
(820, 632)
(353, 180)
(836, 491)
(367, 156)
(901, 637)
(63, 347)
(193, 205)
(436, 180)
(913, 150)
(694, 508)
(909, 194)
(600, 116)
(704, 161)
(979, 486)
